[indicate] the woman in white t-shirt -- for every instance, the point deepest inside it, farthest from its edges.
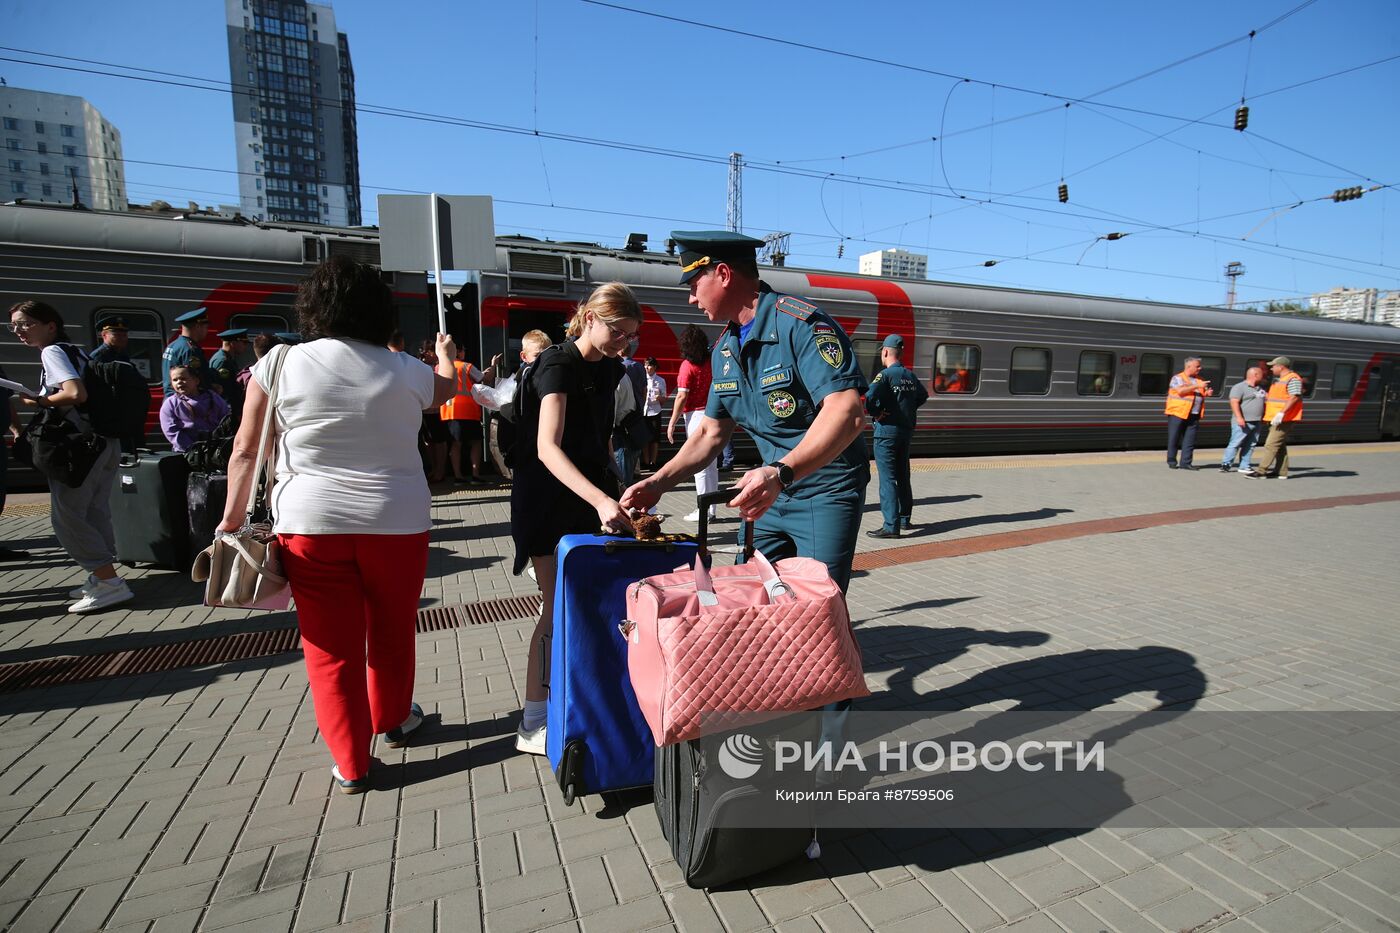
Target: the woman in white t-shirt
(350, 504)
(81, 515)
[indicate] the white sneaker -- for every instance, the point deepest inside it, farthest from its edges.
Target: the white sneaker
(78, 592)
(1247, 473)
(530, 741)
(695, 516)
(103, 595)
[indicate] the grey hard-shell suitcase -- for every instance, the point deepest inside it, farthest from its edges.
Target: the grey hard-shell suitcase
(149, 513)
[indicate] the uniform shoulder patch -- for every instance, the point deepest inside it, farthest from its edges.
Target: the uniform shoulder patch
(796, 307)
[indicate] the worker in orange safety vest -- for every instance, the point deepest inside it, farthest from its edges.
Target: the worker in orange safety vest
(1186, 404)
(1283, 409)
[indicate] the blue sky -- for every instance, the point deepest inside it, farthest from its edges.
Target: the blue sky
(841, 152)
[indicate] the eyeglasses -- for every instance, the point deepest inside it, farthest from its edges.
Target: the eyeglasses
(615, 333)
(17, 326)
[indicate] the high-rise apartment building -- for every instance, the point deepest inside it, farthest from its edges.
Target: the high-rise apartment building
(293, 112)
(1346, 304)
(1388, 309)
(55, 141)
(895, 262)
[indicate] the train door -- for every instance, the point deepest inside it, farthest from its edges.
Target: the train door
(1389, 380)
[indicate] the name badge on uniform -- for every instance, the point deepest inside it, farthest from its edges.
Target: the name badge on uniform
(772, 380)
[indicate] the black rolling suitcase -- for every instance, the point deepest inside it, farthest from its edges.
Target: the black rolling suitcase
(698, 805)
(149, 514)
(206, 496)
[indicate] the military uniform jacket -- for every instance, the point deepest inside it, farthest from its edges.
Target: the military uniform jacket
(894, 400)
(182, 352)
(772, 385)
(221, 374)
(103, 353)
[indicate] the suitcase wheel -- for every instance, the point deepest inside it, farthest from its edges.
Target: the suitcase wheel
(570, 771)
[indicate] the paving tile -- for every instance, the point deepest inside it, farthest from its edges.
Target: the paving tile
(1148, 887)
(1291, 914)
(881, 908)
(647, 913)
(531, 915)
(589, 883)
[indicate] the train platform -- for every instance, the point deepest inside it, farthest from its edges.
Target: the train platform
(160, 767)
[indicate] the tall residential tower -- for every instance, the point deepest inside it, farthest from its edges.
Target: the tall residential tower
(54, 143)
(293, 112)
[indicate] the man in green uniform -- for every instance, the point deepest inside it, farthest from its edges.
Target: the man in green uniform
(184, 350)
(784, 371)
(223, 365)
(893, 402)
(115, 338)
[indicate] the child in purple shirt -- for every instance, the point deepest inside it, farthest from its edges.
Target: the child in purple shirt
(189, 415)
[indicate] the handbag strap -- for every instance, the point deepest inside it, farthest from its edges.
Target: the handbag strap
(767, 574)
(278, 354)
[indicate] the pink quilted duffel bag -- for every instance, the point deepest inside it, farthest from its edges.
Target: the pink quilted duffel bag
(746, 642)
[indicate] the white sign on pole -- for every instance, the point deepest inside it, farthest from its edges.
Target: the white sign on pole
(430, 233)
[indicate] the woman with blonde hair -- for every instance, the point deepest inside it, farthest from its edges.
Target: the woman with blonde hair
(563, 481)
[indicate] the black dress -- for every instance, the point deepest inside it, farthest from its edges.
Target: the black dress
(542, 509)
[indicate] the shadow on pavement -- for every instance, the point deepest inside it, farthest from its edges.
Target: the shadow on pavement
(1075, 681)
(972, 521)
(874, 506)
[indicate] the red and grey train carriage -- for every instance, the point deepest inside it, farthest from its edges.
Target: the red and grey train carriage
(1007, 369)
(147, 269)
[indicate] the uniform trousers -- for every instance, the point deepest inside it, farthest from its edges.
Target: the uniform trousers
(1276, 448)
(357, 602)
(896, 490)
(823, 528)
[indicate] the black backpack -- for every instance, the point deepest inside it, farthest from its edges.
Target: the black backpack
(117, 397)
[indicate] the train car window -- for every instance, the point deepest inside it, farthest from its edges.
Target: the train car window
(145, 338)
(957, 367)
(1213, 371)
(1030, 371)
(867, 356)
(1343, 379)
(1095, 373)
(1155, 371)
(260, 323)
(1307, 371)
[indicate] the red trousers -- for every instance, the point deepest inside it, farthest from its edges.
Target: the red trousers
(357, 601)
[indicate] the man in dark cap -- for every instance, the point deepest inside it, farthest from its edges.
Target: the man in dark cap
(784, 371)
(112, 349)
(184, 350)
(893, 402)
(223, 365)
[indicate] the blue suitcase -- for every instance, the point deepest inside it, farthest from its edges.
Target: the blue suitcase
(597, 738)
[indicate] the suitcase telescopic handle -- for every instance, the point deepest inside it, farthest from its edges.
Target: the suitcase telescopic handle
(720, 497)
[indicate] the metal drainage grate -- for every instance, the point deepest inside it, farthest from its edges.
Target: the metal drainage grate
(73, 669)
(501, 610)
